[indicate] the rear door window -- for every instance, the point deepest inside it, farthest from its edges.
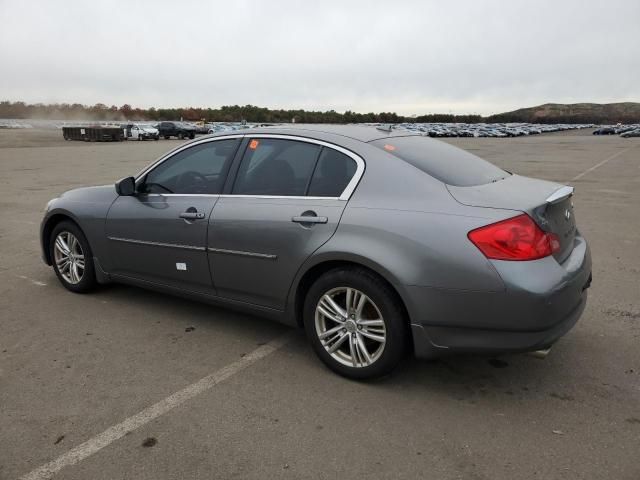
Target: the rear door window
(442, 161)
(332, 174)
(273, 166)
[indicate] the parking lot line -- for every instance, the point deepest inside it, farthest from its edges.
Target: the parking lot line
(35, 282)
(156, 410)
(598, 165)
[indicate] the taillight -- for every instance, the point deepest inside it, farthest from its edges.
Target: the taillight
(517, 238)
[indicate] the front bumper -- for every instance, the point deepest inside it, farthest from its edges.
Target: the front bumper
(541, 302)
(43, 248)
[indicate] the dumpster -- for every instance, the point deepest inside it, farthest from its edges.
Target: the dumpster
(93, 134)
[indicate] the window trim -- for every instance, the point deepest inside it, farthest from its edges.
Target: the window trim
(344, 196)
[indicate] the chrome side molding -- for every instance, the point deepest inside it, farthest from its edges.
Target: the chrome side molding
(560, 194)
(266, 256)
(156, 244)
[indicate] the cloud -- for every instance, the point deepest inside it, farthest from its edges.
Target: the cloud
(406, 56)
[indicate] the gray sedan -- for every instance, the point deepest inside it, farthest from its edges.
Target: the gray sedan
(378, 243)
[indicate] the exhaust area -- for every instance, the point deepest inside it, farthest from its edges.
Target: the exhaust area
(540, 354)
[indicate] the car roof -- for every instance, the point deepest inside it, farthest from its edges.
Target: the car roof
(363, 133)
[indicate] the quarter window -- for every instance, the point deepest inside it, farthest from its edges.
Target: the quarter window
(200, 169)
(272, 166)
(332, 174)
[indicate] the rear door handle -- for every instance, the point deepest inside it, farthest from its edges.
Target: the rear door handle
(304, 219)
(192, 215)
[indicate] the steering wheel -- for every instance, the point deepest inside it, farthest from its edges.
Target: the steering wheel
(194, 180)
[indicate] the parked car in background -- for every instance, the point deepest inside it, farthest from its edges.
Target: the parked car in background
(134, 131)
(200, 128)
(378, 243)
(605, 131)
(631, 133)
(176, 129)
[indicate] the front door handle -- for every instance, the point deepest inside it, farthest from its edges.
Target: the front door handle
(305, 219)
(192, 214)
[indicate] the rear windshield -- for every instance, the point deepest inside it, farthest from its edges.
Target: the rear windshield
(442, 161)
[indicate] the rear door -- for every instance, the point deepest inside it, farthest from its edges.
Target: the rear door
(160, 234)
(286, 201)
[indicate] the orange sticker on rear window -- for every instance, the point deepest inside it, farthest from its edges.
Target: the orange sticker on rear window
(391, 148)
(253, 144)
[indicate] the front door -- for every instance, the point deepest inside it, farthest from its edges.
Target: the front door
(283, 206)
(160, 234)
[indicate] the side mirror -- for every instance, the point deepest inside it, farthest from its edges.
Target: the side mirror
(126, 187)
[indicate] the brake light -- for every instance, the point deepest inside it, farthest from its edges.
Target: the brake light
(517, 238)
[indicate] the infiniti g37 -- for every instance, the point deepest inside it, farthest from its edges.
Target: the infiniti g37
(377, 243)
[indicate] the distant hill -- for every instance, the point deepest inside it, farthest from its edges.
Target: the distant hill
(600, 113)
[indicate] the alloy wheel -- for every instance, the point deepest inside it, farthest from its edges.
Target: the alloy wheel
(350, 327)
(69, 257)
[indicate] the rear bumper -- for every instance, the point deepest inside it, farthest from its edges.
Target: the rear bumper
(541, 302)
(431, 342)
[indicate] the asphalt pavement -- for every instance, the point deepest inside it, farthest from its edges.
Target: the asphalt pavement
(125, 383)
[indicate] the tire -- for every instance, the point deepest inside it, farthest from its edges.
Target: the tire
(87, 280)
(381, 306)
(192, 136)
(139, 138)
(157, 137)
(181, 136)
(166, 137)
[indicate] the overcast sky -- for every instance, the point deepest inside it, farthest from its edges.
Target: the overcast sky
(411, 57)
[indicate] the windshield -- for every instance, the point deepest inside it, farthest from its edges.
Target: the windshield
(442, 161)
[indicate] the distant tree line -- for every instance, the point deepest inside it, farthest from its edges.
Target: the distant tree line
(611, 113)
(231, 113)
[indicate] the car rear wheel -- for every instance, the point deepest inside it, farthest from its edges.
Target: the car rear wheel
(72, 258)
(355, 323)
(166, 137)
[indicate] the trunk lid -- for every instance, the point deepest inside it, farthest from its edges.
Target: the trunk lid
(548, 203)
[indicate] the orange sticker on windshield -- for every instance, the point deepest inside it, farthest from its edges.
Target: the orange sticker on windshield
(253, 144)
(391, 148)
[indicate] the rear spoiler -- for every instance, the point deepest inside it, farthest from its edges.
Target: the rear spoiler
(559, 195)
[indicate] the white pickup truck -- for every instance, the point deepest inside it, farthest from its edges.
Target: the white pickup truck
(134, 131)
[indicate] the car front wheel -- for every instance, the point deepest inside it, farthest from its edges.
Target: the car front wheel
(355, 323)
(72, 258)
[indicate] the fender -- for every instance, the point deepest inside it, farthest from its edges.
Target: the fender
(90, 216)
(326, 255)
